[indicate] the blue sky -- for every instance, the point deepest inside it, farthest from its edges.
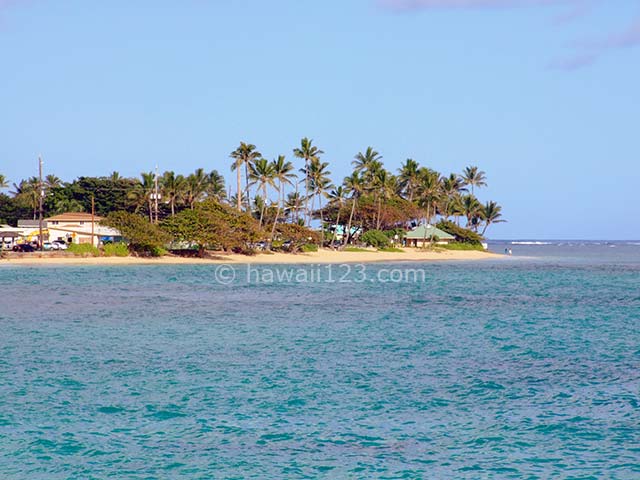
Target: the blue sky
(541, 94)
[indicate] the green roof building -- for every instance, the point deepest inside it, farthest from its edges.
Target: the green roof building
(424, 234)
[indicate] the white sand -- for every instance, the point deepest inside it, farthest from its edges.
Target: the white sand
(322, 256)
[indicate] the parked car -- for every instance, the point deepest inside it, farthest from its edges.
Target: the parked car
(23, 247)
(47, 246)
(59, 245)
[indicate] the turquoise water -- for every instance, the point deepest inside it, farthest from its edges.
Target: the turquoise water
(515, 369)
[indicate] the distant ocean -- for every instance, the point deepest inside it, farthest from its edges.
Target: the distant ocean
(527, 367)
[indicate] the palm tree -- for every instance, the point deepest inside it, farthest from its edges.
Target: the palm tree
(337, 197)
(245, 155)
(195, 187)
(293, 205)
(384, 185)
(367, 164)
(408, 177)
(474, 177)
(144, 192)
(173, 187)
(215, 186)
(28, 191)
(354, 184)
(429, 191)
(308, 153)
(451, 186)
(3, 182)
(262, 174)
(472, 209)
(491, 212)
(282, 173)
(320, 183)
(51, 182)
(115, 176)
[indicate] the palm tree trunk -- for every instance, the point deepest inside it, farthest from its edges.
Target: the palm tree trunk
(275, 220)
(246, 179)
(306, 191)
(379, 213)
(347, 234)
(264, 202)
(239, 194)
(335, 230)
(321, 222)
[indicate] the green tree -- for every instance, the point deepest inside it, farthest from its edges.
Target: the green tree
(3, 182)
(474, 177)
(491, 213)
(173, 189)
(283, 174)
(309, 153)
(409, 177)
(244, 155)
(262, 175)
(143, 237)
(354, 184)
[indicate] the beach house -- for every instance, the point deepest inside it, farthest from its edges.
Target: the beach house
(80, 227)
(426, 234)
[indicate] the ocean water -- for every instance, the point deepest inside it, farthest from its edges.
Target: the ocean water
(522, 368)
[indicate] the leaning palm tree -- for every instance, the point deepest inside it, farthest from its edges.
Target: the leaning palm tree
(245, 155)
(173, 188)
(283, 174)
(408, 177)
(474, 177)
(491, 212)
(308, 152)
(262, 175)
(354, 184)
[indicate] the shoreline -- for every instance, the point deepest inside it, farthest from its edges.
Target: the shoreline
(323, 256)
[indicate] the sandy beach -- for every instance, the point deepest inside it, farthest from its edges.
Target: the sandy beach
(323, 256)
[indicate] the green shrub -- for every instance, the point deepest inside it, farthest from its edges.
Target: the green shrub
(375, 238)
(391, 249)
(463, 235)
(462, 246)
(309, 247)
(84, 250)
(400, 232)
(115, 249)
(355, 249)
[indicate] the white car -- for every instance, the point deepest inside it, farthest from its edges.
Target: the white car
(59, 245)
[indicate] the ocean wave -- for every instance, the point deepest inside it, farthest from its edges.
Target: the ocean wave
(531, 243)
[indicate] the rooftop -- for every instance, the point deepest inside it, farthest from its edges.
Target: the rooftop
(428, 231)
(73, 217)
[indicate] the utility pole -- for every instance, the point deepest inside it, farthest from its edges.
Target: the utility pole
(93, 215)
(41, 195)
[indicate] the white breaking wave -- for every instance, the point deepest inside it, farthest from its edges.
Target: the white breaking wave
(531, 243)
